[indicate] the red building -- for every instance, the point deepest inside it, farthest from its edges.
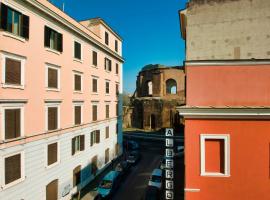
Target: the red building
(227, 112)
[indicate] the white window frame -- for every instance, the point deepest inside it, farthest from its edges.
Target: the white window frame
(76, 59)
(10, 106)
(107, 81)
(80, 74)
(94, 66)
(107, 69)
(3, 63)
(226, 138)
(48, 105)
(94, 77)
(58, 77)
(5, 186)
(46, 154)
(78, 151)
(77, 104)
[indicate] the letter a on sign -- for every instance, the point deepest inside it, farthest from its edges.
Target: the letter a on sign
(169, 132)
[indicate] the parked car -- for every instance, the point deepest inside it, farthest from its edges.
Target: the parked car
(133, 157)
(151, 193)
(156, 178)
(123, 167)
(131, 145)
(179, 152)
(109, 184)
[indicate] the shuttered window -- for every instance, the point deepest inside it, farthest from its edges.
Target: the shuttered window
(12, 123)
(106, 38)
(98, 136)
(107, 132)
(94, 85)
(107, 85)
(13, 72)
(108, 64)
(52, 190)
(116, 128)
(52, 118)
(52, 154)
(107, 111)
(53, 39)
(52, 78)
(77, 82)
(117, 89)
(77, 50)
(116, 45)
(94, 58)
(13, 168)
(107, 155)
(94, 112)
(117, 109)
(116, 149)
(77, 144)
(116, 68)
(78, 115)
(95, 137)
(14, 21)
(77, 176)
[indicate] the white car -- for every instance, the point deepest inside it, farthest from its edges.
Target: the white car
(156, 178)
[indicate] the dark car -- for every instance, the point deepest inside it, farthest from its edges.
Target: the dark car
(152, 193)
(123, 168)
(133, 157)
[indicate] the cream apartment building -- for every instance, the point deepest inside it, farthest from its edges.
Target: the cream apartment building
(61, 82)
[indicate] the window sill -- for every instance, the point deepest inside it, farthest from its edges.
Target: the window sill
(94, 66)
(107, 94)
(215, 174)
(4, 85)
(16, 37)
(52, 165)
(12, 139)
(108, 71)
(77, 153)
(94, 93)
(53, 51)
(77, 60)
(55, 130)
(78, 92)
(52, 90)
(13, 183)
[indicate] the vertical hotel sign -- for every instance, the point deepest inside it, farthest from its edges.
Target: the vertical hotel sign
(169, 172)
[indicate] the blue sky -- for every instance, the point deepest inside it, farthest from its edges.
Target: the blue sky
(150, 30)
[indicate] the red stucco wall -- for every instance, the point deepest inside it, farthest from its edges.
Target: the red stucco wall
(249, 160)
(228, 85)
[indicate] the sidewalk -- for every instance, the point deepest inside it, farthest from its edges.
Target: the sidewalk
(88, 193)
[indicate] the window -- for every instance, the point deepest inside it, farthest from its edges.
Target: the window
(150, 88)
(94, 165)
(107, 87)
(52, 154)
(77, 50)
(94, 85)
(13, 123)
(171, 86)
(13, 71)
(77, 176)
(53, 39)
(107, 132)
(106, 38)
(117, 89)
(108, 64)
(53, 77)
(116, 149)
(116, 128)
(14, 21)
(94, 58)
(95, 137)
(13, 168)
(77, 144)
(107, 155)
(117, 68)
(52, 190)
(117, 109)
(77, 114)
(107, 111)
(52, 117)
(116, 45)
(215, 155)
(77, 82)
(94, 112)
